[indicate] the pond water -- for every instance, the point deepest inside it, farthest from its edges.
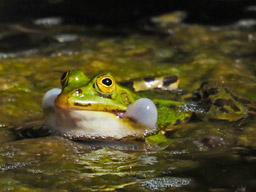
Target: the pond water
(205, 155)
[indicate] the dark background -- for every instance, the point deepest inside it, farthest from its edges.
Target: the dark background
(118, 12)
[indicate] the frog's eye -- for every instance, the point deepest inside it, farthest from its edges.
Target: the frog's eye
(106, 84)
(64, 79)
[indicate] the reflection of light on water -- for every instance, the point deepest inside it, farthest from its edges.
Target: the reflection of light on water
(108, 161)
(16, 165)
(246, 23)
(147, 160)
(62, 38)
(48, 21)
(6, 55)
(165, 182)
(17, 54)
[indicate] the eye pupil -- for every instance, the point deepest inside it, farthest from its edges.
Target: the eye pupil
(107, 81)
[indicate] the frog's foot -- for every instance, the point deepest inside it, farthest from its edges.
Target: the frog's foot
(143, 111)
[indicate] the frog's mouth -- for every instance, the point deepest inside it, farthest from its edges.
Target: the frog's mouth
(90, 107)
(142, 111)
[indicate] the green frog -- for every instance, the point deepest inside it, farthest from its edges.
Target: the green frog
(101, 109)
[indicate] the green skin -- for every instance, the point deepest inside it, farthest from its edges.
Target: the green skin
(81, 93)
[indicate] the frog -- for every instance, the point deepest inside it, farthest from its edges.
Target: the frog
(99, 108)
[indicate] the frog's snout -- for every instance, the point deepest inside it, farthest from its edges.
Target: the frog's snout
(143, 111)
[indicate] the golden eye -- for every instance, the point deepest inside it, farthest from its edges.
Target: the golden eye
(64, 79)
(106, 84)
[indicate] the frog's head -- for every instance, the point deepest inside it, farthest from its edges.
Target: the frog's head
(101, 93)
(98, 108)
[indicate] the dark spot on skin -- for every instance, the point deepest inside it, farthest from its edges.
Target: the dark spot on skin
(223, 110)
(117, 111)
(228, 91)
(148, 79)
(222, 102)
(79, 90)
(128, 84)
(177, 122)
(243, 101)
(164, 126)
(169, 134)
(213, 91)
(172, 106)
(236, 98)
(234, 107)
(82, 105)
(231, 94)
(169, 80)
(197, 95)
(205, 94)
(208, 92)
(207, 89)
(105, 95)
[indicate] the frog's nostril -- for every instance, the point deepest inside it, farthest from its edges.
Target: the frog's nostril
(78, 91)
